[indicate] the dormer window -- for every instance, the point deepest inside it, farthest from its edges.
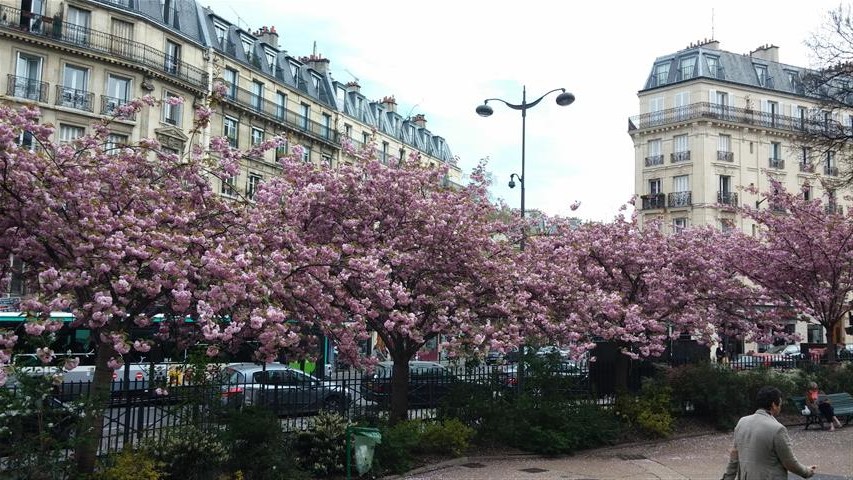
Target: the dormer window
(221, 31)
(714, 68)
(686, 67)
(315, 79)
(247, 41)
(294, 70)
(761, 74)
(270, 54)
(170, 13)
(661, 74)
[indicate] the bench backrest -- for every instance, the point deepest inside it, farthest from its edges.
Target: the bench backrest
(838, 400)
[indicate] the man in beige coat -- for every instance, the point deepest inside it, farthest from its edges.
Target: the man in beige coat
(762, 449)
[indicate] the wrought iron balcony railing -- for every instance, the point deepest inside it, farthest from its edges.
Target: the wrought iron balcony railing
(89, 40)
(653, 160)
(806, 167)
(676, 157)
(680, 199)
(27, 88)
(727, 198)
(275, 112)
(831, 171)
(110, 104)
(653, 201)
(73, 98)
(725, 156)
(776, 163)
(715, 111)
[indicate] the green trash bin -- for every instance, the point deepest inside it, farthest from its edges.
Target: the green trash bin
(360, 444)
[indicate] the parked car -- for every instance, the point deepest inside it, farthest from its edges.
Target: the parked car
(570, 372)
(494, 357)
(77, 383)
(749, 362)
(284, 390)
(429, 383)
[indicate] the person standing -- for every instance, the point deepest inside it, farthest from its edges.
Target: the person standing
(762, 448)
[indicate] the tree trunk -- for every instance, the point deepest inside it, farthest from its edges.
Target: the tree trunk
(621, 371)
(831, 340)
(399, 389)
(91, 427)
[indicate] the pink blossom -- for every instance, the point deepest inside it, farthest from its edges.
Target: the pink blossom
(115, 363)
(212, 351)
(141, 346)
(34, 328)
(45, 354)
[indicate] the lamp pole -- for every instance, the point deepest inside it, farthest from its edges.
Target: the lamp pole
(563, 99)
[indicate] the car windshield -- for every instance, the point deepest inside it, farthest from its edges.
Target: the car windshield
(777, 349)
(234, 376)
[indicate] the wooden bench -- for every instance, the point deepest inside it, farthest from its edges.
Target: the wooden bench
(841, 402)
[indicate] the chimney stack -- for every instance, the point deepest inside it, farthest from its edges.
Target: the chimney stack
(353, 87)
(268, 35)
(419, 120)
(766, 52)
(390, 103)
(317, 63)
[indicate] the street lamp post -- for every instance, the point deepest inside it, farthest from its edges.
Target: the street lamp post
(563, 99)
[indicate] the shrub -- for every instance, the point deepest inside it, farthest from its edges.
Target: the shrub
(399, 442)
(188, 453)
(650, 411)
(322, 449)
(448, 436)
(831, 378)
(130, 464)
(259, 452)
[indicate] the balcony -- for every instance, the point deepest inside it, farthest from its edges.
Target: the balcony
(677, 157)
(76, 99)
(723, 156)
(830, 171)
(28, 88)
(102, 43)
(777, 163)
(109, 105)
(653, 160)
(679, 199)
(727, 198)
(720, 112)
(653, 201)
(274, 112)
(806, 167)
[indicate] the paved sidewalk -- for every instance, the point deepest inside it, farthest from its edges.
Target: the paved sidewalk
(696, 458)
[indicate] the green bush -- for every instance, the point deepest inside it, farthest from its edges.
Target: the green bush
(831, 378)
(130, 464)
(322, 448)
(399, 442)
(259, 451)
(650, 411)
(188, 453)
(448, 436)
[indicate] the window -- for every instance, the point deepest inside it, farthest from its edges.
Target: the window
(656, 110)
(714, 68)
(814, 333)
(231, 77)
(170, 13)
(122, 36)
(114, 143)
(680, 149)
(26, 140)
(830, 167)
(306, 112)
(686, 67)
(247, 42)
(270, 54)
(315, 79)
(17, 286)
(306, 154)
(761, 75)
(252, 185)
(725, 183)
(257, 95)
(682, 105)
(68, 133)
(118, 89)
(294, 70)
(31, 15)
(77, 25)
(681, 183)
(221, 31)
(28, 78)
(230, 127)
(327, 125)
(281, 151)
(655, 157)
(724, 148)
(74, 91)
(725, 195)
(807, 192)
(384, 154)
(661, 74)
(771, 113)
(173, 57)
(227, 188)
(280, 105)
(171, 113)
(802, 116)
(348, 130)
(727, 225)
(679, 224)
(327, 160)
(654, 186)
(776, 155)
(257, 136)
(365, 138)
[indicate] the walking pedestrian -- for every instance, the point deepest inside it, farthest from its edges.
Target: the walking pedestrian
(762, 447)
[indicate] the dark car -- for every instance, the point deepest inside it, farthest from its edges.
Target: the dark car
(429, 383)
(284, 390)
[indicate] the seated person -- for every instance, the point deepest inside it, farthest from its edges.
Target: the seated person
(822, 407)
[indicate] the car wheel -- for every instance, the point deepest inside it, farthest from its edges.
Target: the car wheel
(333, 404)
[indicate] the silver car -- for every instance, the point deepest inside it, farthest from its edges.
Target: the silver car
(282, 389)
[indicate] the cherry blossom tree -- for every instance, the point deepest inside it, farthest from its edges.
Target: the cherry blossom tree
(804, 255)
(416, 259)
(637, 288)
(117, 234)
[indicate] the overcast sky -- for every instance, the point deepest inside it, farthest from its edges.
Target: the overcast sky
(442, 58)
